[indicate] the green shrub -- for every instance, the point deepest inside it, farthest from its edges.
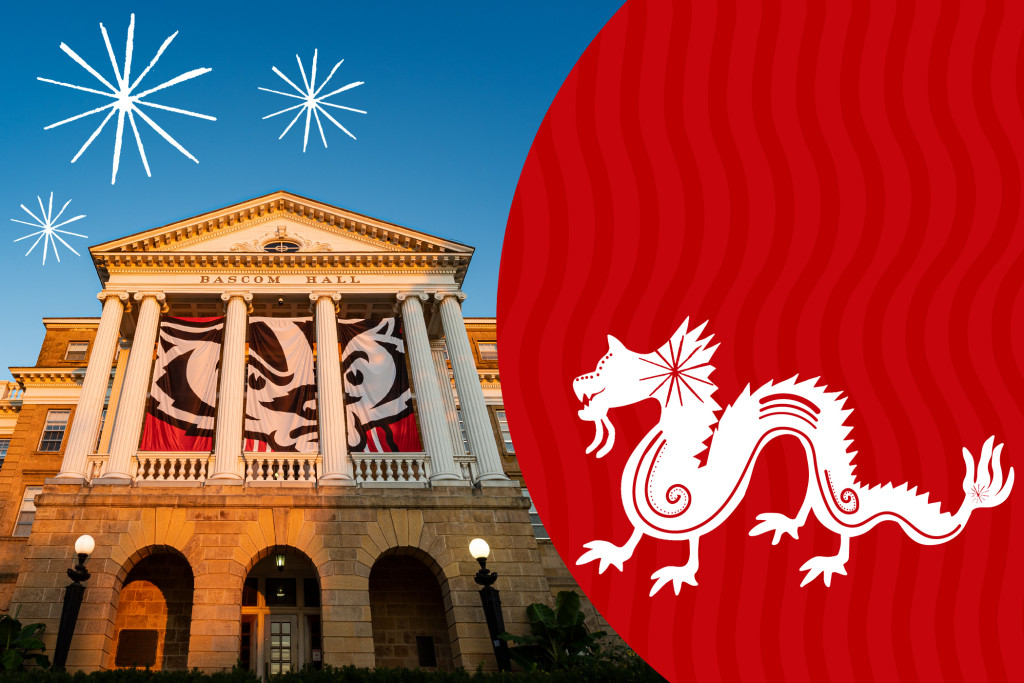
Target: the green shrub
(559, 639)
(16, 641)
(629, 668)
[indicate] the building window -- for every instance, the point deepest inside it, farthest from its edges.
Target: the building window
(53, 432)
(462, 430)
(99, 432)
(506, 436)
(281, 246)
(76, 351)
(4, 445)
(488, 350)
(27, 513)
(539, 532)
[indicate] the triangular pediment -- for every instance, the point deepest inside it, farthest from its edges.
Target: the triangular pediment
(313, 226)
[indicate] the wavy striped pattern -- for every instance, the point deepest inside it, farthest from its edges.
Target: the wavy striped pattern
(837, 188)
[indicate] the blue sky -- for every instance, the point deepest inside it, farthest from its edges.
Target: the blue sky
(454, 94)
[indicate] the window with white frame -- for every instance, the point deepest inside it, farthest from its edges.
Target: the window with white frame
(27, 512)
(462, 430)
(99, 432)
(53, 430)
(76, 350)
(488, 350)
(4, 445)
(539, 532)
(506, 436)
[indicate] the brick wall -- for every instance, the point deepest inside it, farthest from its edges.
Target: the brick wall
(157, 595)
(55, 346)
(405, 602)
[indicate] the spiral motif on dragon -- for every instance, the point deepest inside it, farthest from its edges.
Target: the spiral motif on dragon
(678, 495)
(847, 501)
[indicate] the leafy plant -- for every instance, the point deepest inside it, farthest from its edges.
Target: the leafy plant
(559, 639)
(17, 642)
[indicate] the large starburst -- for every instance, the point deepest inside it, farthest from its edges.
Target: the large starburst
(677, 372)
(48, 234)
(127, 99)
(313, 102)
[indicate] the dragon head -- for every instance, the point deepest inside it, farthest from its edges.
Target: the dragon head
(678, 372)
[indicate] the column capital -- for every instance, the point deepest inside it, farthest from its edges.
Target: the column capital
(246, 297)
(314, 299)
(402, 296)
(110, 294)
(160, 298)
(441, 296)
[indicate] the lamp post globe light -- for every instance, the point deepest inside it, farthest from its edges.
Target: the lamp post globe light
(72, 601)
(491, 601)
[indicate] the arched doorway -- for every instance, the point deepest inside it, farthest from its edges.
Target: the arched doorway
(281, 628)
(154, 613)
(410, 625)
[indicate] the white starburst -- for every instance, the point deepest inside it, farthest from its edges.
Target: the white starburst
(126, 99)
(48, 234)
(313, 102)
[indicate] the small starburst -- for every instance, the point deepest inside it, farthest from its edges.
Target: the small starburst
(676, 373)
(979, 493)
(49, 232)
(126, 99)
(313, 102)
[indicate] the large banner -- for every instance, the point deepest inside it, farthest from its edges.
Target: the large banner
(280, 399)
(378, 401)
(183, 399)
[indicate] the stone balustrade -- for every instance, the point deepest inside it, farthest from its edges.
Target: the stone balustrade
(392, 469)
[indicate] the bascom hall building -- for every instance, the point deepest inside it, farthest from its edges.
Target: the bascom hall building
(282, 435)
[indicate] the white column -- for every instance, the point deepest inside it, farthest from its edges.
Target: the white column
(428, 395)
(330, 397)
(467, 383)
(227, 444)
(86, 424)
(130, 410)
(451, 415)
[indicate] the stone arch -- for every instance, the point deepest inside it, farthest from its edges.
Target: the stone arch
(279, 630)
(152, 599)
(411, 608)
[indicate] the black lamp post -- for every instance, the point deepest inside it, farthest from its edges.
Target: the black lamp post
(72, 601)
(479, 549)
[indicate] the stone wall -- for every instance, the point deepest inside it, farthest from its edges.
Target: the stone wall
(157, 597)
(223, 531)
(406, 602)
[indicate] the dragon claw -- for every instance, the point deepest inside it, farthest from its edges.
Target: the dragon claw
(607, 553)
(780, 524)
(824, 567)
(677, 575)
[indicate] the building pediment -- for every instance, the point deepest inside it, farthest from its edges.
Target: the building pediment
(248, 226)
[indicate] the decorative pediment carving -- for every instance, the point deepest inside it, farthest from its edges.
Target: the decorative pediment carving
(281, 234)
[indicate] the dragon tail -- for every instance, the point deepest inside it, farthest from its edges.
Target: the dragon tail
(984, 486)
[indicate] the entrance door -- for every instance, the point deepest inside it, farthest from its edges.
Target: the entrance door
(281, 644)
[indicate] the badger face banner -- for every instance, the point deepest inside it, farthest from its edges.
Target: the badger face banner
(183, 398)
(280, 399)
(378, 401)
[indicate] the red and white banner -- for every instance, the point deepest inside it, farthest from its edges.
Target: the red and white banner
(280, 399)
(378, 401)
(183, 398)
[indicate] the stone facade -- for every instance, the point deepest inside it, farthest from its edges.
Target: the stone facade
(199, 563)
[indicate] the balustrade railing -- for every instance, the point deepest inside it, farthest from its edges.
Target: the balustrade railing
(278, 467)
(370, 469)
(391, 469)
(171, 467)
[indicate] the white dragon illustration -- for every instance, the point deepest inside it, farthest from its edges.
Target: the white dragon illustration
(668, 494)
